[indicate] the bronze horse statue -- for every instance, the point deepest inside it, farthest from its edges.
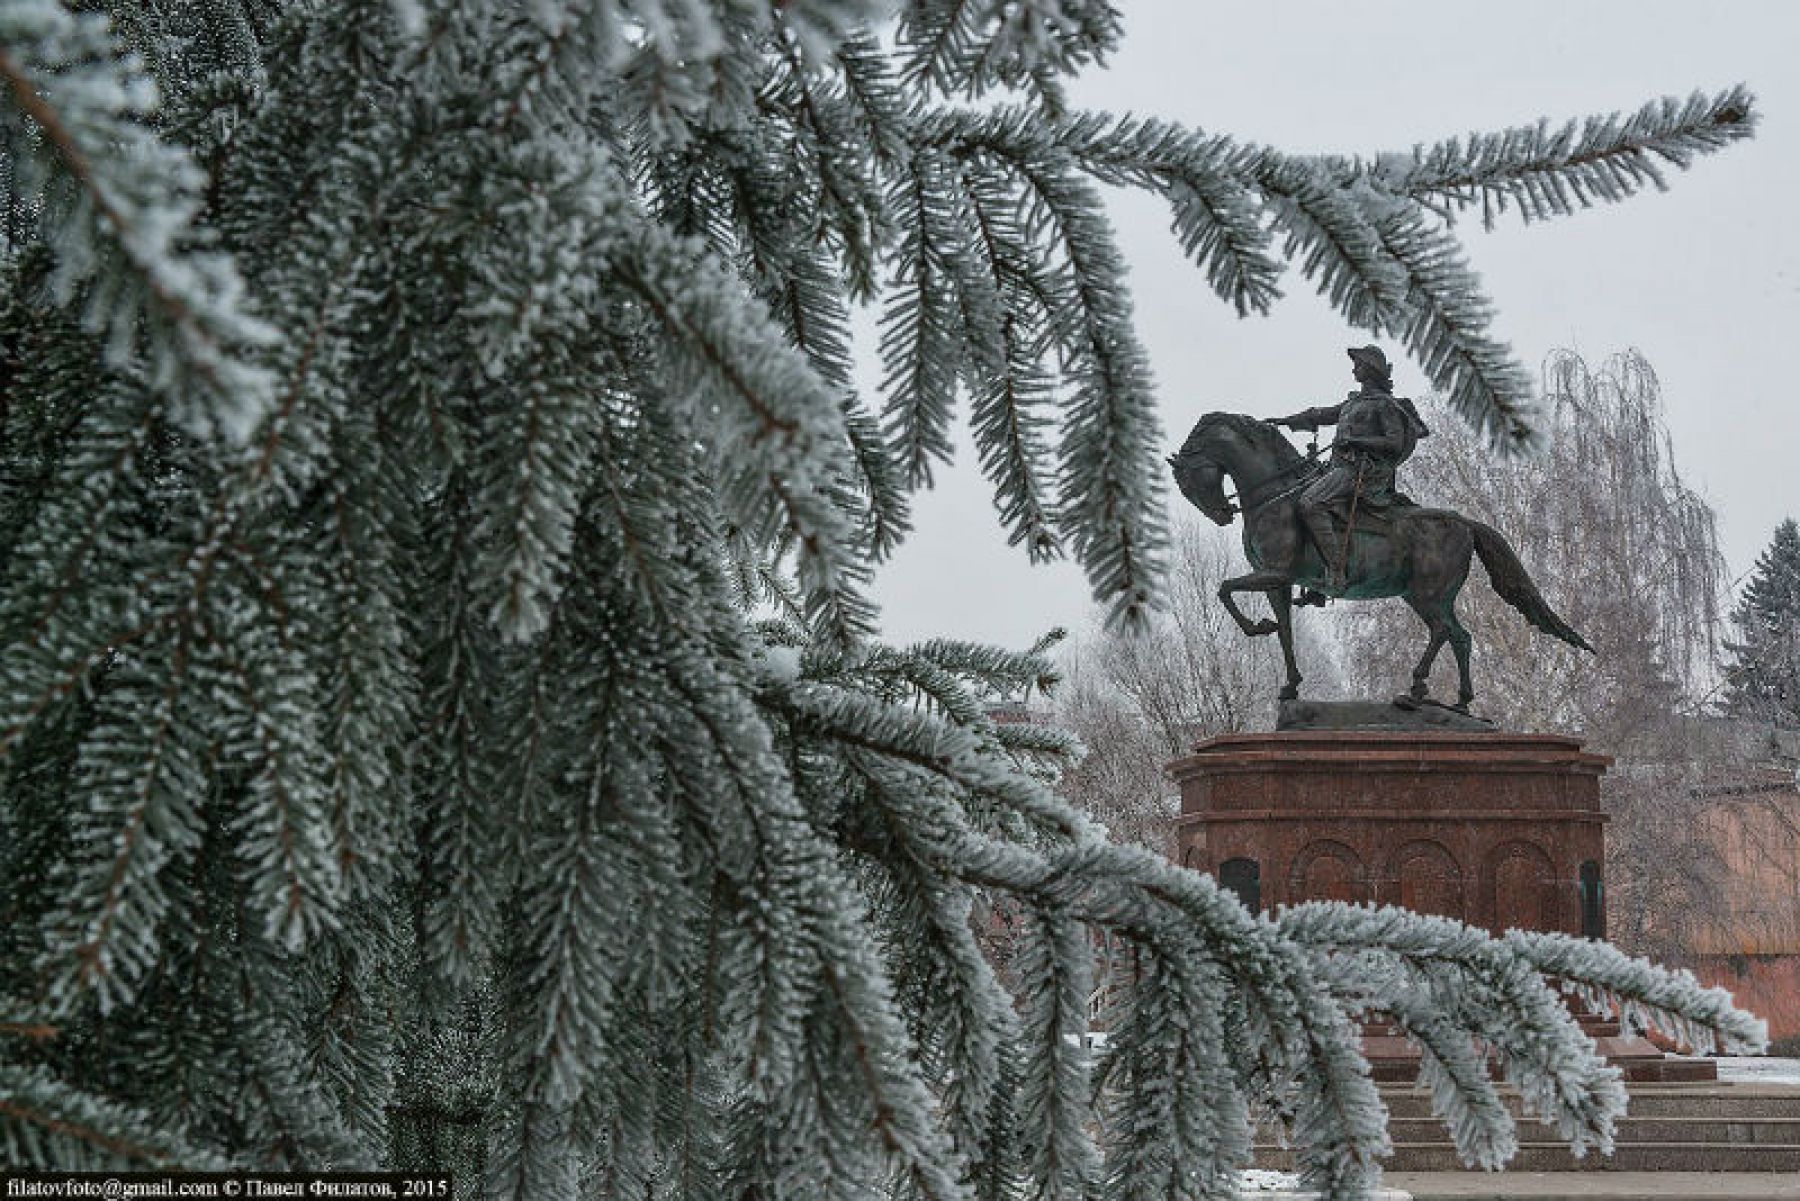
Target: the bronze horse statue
(1420, 555)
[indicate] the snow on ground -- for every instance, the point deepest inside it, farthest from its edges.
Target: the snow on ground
(1762, 1069)
(1256, 1183)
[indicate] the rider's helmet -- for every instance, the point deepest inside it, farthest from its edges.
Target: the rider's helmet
(1371, 359)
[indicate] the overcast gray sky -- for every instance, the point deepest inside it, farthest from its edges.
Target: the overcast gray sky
(1703, 279)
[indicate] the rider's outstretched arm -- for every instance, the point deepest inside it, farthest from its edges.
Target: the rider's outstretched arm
(1311, 419)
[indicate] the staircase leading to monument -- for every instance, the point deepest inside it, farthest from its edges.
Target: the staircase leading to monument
(1702, 1127)
(1393, 1059)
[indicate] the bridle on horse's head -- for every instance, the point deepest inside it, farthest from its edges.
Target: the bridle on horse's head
(1201, 480)
(1283, 481)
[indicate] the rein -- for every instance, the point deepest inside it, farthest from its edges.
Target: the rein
(1279, 480)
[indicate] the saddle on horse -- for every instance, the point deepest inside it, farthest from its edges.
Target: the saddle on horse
(1367, 495)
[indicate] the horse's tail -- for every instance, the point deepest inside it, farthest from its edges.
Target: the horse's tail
(1508, 576)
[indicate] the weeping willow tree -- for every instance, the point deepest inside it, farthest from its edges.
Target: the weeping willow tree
(441, 715)
(1632, 552)
(1605, 514)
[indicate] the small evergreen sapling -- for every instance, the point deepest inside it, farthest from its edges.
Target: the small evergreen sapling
(413, 414)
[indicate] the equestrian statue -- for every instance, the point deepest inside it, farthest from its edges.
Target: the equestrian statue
(1341, 529)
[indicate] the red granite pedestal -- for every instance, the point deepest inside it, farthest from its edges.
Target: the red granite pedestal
(1497, 830)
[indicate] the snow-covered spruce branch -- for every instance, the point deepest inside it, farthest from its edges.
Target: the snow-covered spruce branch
(143, 771)
(1011, 387)
(992, 671)
(904, 1112)
(952, 753)
(1453, 1067)
(695, 890)
(776, 431)
(970, 47)
(1306, 1043)
(924, 348)
(793, 271)
(1494, 994)
(531, 298)
(1670, 999)
(689, 55)
(1055, 971)
(905, 676)
(960, 1020)
(1308, 1040)
(43, 1120)
(1461, 993)
(1643, 994)
(1175, 1115)
(372, 691)
(283, 823)
(1445, 326)
(1551, 173)
(1362, 232)
(1484, 1004)
(957, 681)
(1209, 183)
(885, 507)
(1496, 989)
(1390, 270)
(1106, 503)
(464, 841)
(120, 209)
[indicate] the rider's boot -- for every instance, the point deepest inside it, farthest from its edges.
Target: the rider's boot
(1324, 536)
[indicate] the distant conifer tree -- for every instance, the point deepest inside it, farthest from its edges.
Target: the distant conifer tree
(1762, 679)
(440, 715)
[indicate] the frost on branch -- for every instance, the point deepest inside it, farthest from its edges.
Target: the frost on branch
(120, 207)
(492, 762)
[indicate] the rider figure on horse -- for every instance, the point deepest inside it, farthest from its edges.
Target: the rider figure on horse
(1376, 432)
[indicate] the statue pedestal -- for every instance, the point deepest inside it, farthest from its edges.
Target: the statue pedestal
(1502, 831)
(1497, 830)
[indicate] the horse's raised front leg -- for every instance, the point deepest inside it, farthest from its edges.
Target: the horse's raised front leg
(1256, 581)
(1281, 600)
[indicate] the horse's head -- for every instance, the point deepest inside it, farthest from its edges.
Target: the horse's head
(1202, 481)
(1223, 444)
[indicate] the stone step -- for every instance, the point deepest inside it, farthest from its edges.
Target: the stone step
(1683, 1128)
(1555, 1157)
(1591, 1025)
(1705, 1101)
(1394, 1060)
(1596, 1186)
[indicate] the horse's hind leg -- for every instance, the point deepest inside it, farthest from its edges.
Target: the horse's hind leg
(1437, 618)
(1460, 643)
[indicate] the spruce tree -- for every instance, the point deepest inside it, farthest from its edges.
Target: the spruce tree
(1762, 677)
(441, 713)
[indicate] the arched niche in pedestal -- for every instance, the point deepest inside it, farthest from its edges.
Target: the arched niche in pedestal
(1327, 870)
(1521, 888)
(1243, 878)
(1428, 879)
